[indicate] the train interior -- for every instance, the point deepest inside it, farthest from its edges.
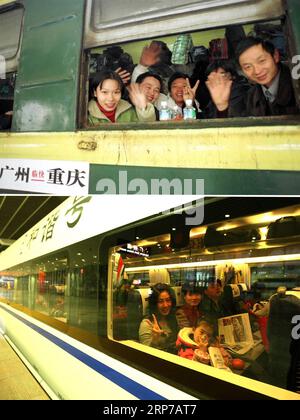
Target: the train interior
(252, 263)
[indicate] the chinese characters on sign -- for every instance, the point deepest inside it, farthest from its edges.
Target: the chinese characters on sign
(44, 176)
(77, 209)
(43, 232)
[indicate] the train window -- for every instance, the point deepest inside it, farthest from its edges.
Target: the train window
(108, 43)
(106, 24)
(10, 31)
(40, 286)
(193, 55)
(249, 287)
(10, 34)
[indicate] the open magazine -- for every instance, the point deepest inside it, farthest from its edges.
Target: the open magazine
(235, 333)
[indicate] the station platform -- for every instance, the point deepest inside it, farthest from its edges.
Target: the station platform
(16, 381)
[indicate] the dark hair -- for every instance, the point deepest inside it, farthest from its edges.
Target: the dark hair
(251, 41)
(191, 287)
(156, 290)
(226, 65)
(165, 54)
(176, 76)
(99, 78)
(144, 76)
(212, 280)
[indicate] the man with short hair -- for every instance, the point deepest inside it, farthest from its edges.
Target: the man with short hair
(151, 86)
(272, 93)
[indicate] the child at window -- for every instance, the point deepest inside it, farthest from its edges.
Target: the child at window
(108, 107)
(194, 344)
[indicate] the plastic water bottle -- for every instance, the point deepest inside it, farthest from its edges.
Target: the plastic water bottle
(164, 112)
(177, 113)
(189, 112)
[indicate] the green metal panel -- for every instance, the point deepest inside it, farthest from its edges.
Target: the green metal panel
(293, 16)
(293, 8)
(216, 181)
(48, 74)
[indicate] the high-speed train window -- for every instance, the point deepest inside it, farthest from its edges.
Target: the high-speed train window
(226, 298)
(40, 285)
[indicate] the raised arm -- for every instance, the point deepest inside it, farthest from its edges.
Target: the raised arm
(219, 87)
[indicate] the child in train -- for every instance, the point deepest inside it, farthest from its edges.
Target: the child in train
(194, 344)
(108, 107)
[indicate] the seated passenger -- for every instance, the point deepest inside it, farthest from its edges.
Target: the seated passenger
(239, 88)
(189, 314)
(180, 90)
(107, 105)
(155, 58)
(272, 93)
(193, 344)
(211, 304)
(179, 87)
(58, 310)
(160, 329)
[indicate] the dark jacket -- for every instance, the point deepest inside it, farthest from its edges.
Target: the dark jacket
(237, 103)
(284, 104)
(5, 122)
(282, 310)
(293, 383)
(212, 311)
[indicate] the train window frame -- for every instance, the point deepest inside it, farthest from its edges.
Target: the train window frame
(259, 384)
(15, 24)
(202, 123)
(12, 15)
(199, 17)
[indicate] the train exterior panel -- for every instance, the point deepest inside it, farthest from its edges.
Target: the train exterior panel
(74, 371)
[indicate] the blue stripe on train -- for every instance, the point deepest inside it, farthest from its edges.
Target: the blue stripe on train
(123, 381)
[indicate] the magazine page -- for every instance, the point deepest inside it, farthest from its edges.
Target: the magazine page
(217, 359)
(235, 333)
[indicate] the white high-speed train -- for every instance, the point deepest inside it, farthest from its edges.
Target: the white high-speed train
(75, 287)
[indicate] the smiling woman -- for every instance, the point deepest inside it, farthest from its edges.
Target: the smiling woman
(159, 329)
(107, 106)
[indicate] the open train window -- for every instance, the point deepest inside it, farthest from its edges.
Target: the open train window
(247, 264)
(191, 54)
(10, 36)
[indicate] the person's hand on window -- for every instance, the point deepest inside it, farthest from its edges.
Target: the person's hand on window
(137, 97)
(150, 55)
(219, 86)
(157, 332)
(189, 92)
(124, 74)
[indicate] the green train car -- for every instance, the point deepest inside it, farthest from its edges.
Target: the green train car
(49, 49)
